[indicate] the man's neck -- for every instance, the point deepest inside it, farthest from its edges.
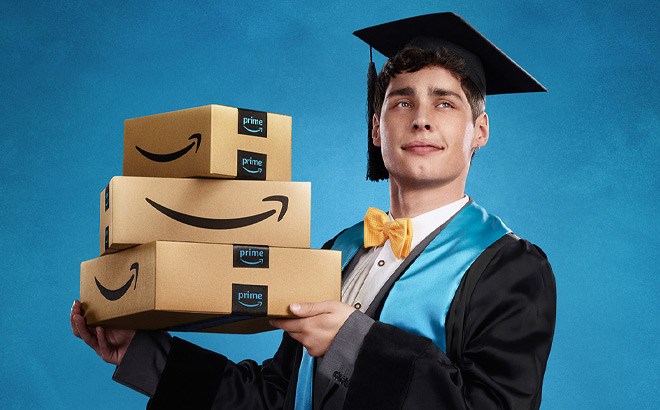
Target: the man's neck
(410, 201)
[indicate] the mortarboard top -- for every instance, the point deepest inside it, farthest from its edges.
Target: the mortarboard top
(492, 71)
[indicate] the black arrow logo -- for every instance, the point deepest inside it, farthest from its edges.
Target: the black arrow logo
(174, 155)
(115, 294)
(233, 223)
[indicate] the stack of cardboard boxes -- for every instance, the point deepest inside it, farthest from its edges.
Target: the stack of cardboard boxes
(213, 253)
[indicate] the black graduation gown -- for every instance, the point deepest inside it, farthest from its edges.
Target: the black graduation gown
(499, 331)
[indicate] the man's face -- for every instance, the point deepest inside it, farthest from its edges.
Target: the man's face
(425, 129)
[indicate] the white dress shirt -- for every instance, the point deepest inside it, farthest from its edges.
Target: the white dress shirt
(376, 265)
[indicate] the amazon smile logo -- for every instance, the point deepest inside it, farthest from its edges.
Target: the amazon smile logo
(115, 294)
(230, 223)
(249, 299)
(250, 256)
(253, 123)
(251, 165)
(197, 141)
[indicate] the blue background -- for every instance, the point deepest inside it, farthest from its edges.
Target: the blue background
(574, 170)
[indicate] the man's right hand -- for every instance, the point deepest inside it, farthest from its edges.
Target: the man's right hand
(109, 344)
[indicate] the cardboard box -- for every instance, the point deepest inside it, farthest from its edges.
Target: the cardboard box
(204, 287)
(137, 210)
(211, 141)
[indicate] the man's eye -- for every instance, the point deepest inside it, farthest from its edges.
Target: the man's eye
(403, 104)
(445, 104)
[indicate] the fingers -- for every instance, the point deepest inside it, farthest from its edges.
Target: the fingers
(310, 309)
(96, 338)
(309, 315)
(303, 311)
(75, 310)
(316, 324)
(104, 349)
(288, 325)
(84, 332)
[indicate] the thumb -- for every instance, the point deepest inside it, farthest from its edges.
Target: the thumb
(305, 309)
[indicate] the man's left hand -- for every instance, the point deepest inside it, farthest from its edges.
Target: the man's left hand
(317, 324)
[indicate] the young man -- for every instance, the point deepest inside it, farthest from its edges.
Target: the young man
(442, 306)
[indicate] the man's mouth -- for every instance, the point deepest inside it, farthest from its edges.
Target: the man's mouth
(421, 147)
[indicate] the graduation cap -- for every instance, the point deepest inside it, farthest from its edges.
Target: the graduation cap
(491, 71)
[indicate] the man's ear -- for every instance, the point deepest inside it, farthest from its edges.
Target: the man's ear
(375, 131)
(481, 131)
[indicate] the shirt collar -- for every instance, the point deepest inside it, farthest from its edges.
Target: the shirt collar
(428, 222)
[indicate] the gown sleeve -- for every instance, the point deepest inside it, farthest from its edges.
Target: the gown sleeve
(506, 327)
(198, 378)
(144, 361)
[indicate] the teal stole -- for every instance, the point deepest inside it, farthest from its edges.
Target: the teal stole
(420, 299)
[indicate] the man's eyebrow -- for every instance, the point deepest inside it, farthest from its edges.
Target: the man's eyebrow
(435, 92)
(442, 92)
(405, 91)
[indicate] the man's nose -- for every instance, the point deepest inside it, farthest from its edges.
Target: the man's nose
(421, 120)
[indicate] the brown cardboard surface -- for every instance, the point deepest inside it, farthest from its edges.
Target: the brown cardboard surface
(211, 141)
(163, 284)
(137, 210)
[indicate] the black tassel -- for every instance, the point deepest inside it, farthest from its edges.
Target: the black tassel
(375, 166)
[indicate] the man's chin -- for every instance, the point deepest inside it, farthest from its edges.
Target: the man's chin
(419, 179)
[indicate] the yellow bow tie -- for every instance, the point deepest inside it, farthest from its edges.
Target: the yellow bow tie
(378, 228)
